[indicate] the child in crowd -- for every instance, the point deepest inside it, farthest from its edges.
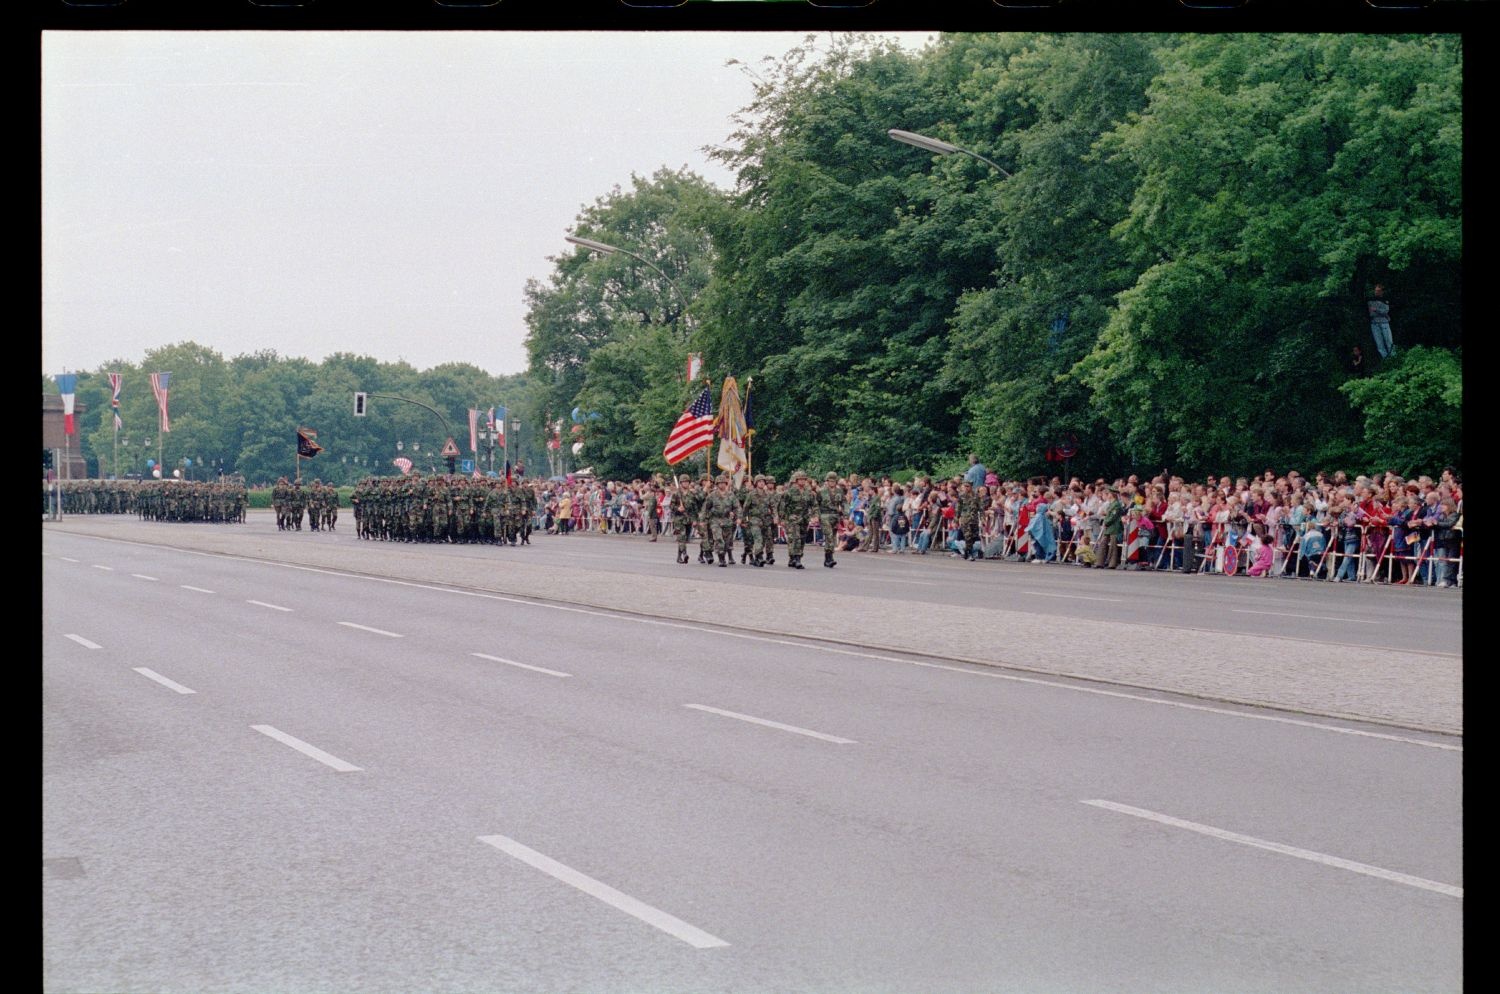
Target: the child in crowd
(1260, 556)
(1085, 548)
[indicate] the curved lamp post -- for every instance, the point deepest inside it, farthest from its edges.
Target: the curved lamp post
(939, 147)
(603, 248)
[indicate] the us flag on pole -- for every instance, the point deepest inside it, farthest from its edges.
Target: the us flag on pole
(159, 388)
(693, 431)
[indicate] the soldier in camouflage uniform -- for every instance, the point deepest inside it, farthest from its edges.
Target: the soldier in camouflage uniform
(767, 506)
(796, 508)
(279, 501)
(331, 507)
(970, 506)
(685, 505)
(315, 505)
(528, 509)
(649, 521)
(705, 539)
(752, 520)
(722, 510)
(831, 502)
(297, 503)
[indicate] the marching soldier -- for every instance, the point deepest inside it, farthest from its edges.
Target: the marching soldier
(796, 507)
(648, 511)
(705, 540)
(723, 508)
(767, 508)
(831, 502)
(685, 501)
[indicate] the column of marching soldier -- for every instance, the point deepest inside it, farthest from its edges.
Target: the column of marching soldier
(444, 509)
(717, 509)
(320, 501)
(451, 509)
(153, 500)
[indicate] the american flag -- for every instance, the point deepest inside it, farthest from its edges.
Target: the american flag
(693, 431)
(159, 388)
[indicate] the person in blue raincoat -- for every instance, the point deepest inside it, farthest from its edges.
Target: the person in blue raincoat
(1040, 530)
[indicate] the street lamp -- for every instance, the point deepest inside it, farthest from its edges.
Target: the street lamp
(940, 147)
(604, 248)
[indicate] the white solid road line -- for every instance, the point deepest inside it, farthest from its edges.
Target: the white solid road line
(1317, 617)
(153, 675)
(273, 607)
(83, 641)
(199, 589)
(656, 918)
(367, 628)
(772, 724)
(524, 666)
(1285, 850)
(305, 749)
(107, 569)
(143, 576)
(67, 559)
(1072, 597)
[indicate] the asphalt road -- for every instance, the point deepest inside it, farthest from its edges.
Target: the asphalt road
(337, 782)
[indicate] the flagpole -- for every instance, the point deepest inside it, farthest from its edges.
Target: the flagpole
(708, 466)
(749, 433)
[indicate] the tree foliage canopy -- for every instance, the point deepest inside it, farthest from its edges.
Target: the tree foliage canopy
(1170, 264)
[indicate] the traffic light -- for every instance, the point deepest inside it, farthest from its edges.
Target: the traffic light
(46, 459)
(359, 405)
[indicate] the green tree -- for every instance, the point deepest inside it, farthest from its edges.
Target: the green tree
(1412, 412)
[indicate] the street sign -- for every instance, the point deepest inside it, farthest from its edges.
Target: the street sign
(450, 449)
(467, 465)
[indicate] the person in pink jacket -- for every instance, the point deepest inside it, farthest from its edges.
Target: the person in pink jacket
(1260, 556)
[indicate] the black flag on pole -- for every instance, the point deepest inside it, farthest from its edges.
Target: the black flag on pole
(306, 447)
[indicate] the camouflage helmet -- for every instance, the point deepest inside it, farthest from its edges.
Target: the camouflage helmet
(724, 478)
(831, 476)
(685, 478)
(798, 475)
(705, 478)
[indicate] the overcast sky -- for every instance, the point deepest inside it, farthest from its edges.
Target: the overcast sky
(386, 194)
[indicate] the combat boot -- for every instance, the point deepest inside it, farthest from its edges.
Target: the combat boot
(758, 560)
(721, 560)
(796, 563)
(828, 558)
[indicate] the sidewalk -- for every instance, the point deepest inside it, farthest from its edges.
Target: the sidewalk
(1409, 690)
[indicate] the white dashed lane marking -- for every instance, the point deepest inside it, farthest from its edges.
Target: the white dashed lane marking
(1285, 850)
(524, 666)
(675, 927)
(376, 631)
(306, 750)
(170, 684)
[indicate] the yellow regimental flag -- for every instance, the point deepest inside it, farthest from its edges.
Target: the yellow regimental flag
(731, 427)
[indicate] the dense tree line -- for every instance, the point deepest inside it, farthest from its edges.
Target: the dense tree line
(1160, 252)
(1173, 272)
